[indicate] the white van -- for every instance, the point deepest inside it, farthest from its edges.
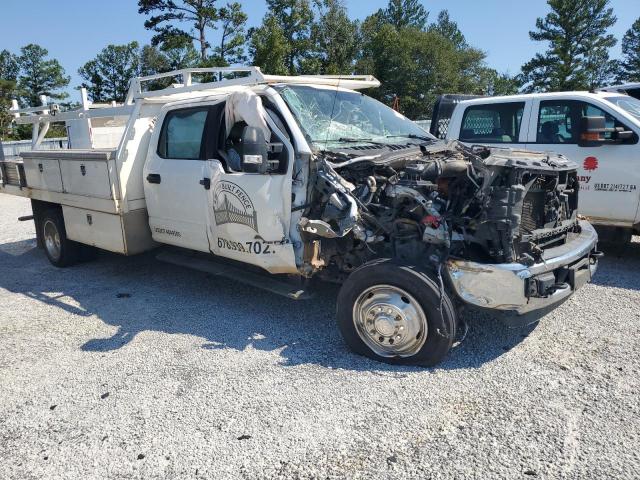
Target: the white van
(599, 131)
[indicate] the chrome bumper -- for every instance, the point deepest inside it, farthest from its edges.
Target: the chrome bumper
(504, 287)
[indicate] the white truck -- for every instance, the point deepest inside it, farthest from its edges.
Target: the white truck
(246, 174)
(597, 130)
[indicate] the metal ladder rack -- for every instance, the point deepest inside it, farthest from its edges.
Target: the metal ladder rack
(41, 116)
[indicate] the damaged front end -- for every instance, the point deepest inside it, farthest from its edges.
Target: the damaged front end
(477, 212)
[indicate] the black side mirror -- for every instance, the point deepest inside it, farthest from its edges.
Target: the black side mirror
(621, 135)
(254, 151)
(592, 130)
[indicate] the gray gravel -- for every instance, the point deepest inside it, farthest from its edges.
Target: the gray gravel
(186, 376)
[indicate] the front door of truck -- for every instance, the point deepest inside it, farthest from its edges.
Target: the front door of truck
(609, 180)
(250, 213)
(176, 199)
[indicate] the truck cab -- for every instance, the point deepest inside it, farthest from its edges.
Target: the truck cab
(275, 181)
(597, 130)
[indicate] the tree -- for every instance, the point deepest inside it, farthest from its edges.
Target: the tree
(334, 37)
(233, 20)
(40, 76)
(200, 13)
(448, 29)
(293, 19)
(629, 67)
(269, 47)
(9, 67)
(405, 13)
(107, 76)
(415, 66)
(578, 54)
(502, 83)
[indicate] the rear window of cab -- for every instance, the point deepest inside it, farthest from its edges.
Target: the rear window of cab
(492, 123)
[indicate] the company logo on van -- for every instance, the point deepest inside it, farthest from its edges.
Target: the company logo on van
(590, 163)
(231, 204)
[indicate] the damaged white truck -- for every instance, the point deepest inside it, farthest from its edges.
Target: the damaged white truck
(305, 177)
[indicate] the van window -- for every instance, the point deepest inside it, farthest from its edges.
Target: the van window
(494, 123)
(559, 121)
(182, 134)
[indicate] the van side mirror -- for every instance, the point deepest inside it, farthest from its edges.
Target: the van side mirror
(254, 151)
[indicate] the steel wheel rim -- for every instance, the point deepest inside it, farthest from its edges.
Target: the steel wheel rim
(390, 321)
(52, 239)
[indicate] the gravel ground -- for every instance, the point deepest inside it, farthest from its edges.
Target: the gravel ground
(129, 368)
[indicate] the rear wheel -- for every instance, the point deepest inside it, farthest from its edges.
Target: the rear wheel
(60, 251)
(396, 314)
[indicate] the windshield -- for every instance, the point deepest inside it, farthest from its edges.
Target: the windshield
(331, 117)
(629, 104)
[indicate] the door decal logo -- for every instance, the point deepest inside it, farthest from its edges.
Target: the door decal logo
(590, 163)
(231, 204)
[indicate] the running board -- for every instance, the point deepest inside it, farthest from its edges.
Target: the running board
(263, 281)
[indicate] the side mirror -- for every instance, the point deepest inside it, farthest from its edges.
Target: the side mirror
(621, 135)
(592, 130)
(254, 151)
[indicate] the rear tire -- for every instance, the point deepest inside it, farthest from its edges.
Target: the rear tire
(60, 251)
(392, 313)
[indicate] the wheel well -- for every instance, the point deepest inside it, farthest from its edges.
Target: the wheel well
(39, 207)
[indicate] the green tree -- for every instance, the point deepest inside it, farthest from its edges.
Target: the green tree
(165, 14)
(578, 54)
(9, 67)
(415, 66)
(233, 20)
(334, 37)
(502, 83)
(294, 19)
(449, 29)
(629, 67)
(107, 76)
(40, 76)
(405, 13)
(269, 47)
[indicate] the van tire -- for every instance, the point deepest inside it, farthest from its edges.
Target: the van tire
(391, 312)
(60, 251)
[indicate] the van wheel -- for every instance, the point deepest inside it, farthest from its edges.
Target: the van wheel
(60, 251)
(396, 314)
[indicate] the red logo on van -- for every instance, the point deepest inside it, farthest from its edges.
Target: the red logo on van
(590, 163)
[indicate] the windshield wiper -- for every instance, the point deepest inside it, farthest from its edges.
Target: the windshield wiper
(353, 140)
(414, 136)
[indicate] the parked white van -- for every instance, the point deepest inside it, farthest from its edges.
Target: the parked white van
(597, 130)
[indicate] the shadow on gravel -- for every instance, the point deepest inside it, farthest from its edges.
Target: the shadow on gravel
(620, 266)
(140, 294)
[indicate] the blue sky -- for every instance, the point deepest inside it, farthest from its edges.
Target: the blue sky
(75, 30)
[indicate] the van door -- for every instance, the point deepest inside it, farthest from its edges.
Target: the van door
(249, 214)
(496, 124)
(176, 199)
(609, 181)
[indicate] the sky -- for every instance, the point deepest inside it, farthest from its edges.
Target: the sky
(74, 31)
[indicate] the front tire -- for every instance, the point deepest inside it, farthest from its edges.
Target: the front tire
(60, 251)
(396, 314)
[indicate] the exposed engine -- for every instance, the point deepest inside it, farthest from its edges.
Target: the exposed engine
(438, 201)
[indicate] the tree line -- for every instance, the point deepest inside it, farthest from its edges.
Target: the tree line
(415, 58)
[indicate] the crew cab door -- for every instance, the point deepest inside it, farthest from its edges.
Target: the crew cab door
(173, 173)
(609, 172)
(249, 214)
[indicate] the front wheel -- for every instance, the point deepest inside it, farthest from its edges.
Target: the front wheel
(396, 314)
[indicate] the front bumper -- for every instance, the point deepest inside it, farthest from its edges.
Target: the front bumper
(507, 287)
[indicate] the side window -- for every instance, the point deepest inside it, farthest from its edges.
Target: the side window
(182, 134)
(557, 122)
(494, 123)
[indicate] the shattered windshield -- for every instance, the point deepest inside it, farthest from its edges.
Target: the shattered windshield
(629, 104)
(331, 117)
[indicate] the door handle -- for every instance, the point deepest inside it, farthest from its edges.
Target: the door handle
(206, 183)
(153, 178)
